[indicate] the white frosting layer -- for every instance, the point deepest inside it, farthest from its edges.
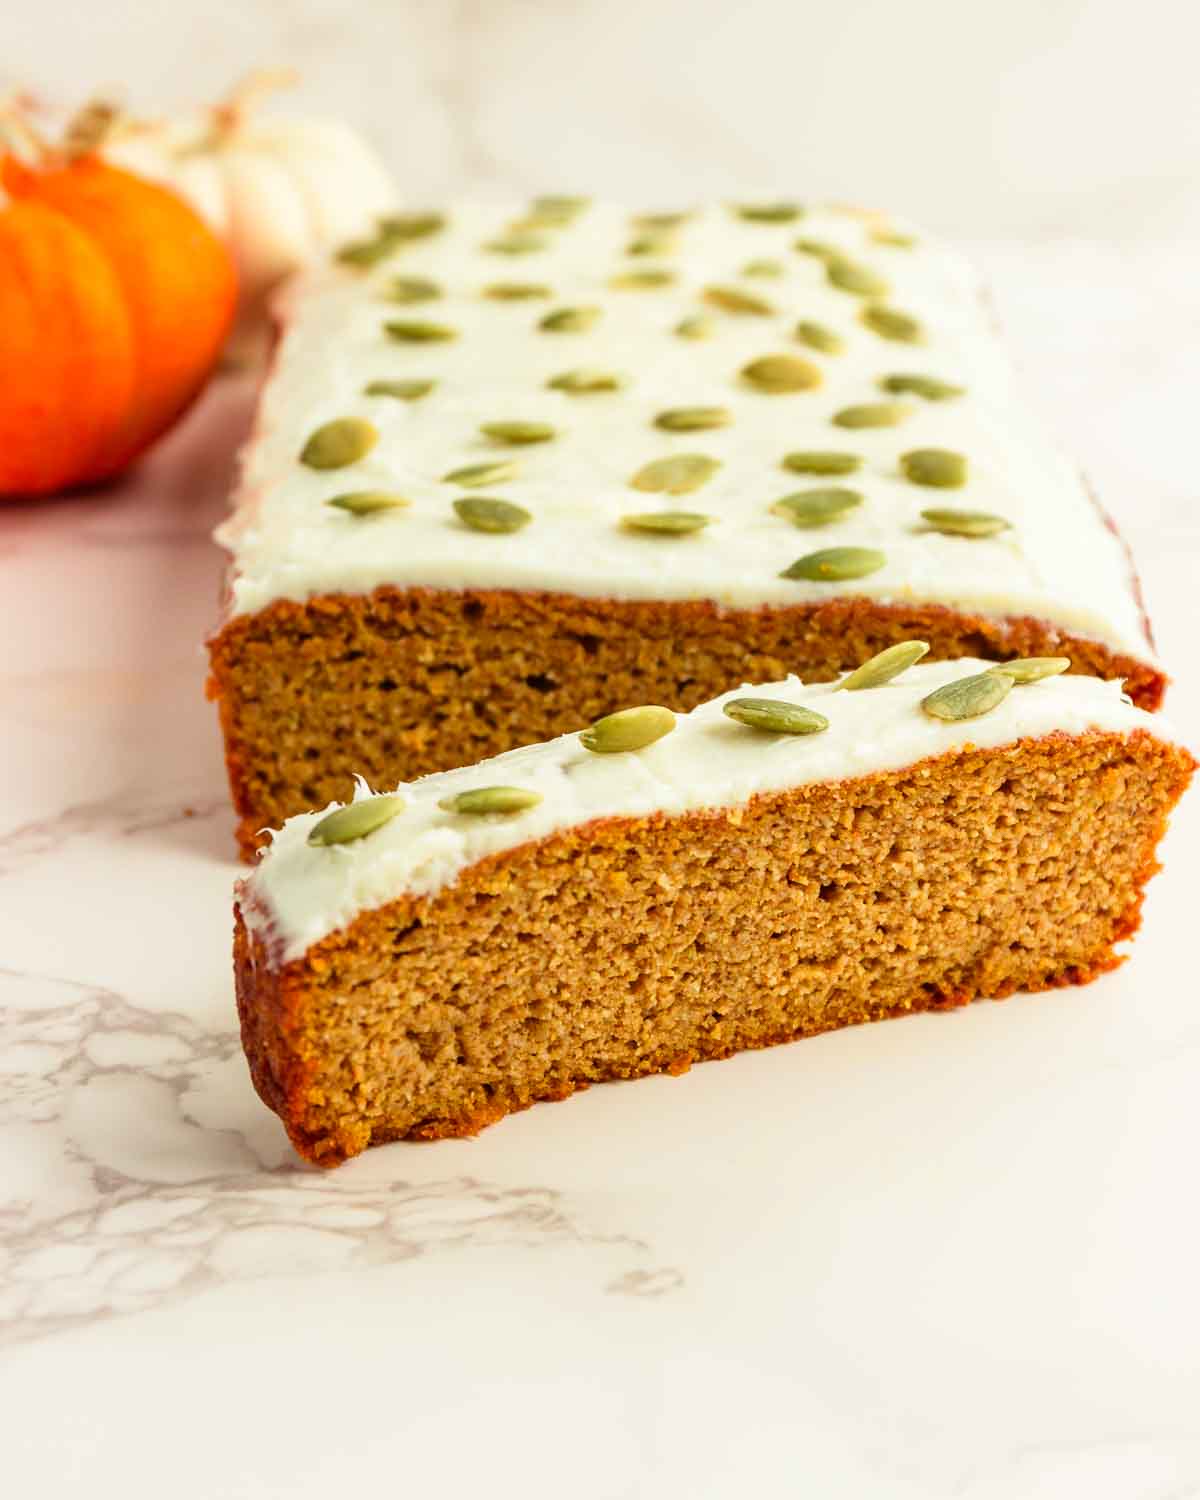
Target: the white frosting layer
(1059, 562)
(302, 893)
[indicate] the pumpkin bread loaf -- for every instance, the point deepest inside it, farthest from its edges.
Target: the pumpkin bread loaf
(514, 469)
(658, 891)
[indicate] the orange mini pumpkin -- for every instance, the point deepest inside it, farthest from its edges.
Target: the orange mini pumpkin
(115, 301)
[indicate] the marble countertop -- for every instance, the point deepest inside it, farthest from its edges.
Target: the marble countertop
(951, 1256)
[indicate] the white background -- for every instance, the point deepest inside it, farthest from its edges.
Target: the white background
(980, 117)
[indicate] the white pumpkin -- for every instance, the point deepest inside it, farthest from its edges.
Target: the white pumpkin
(281, 190)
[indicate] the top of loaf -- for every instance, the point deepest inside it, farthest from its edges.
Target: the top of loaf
(640, 279)
(300, 893)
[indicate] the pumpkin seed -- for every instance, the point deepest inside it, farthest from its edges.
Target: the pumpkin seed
(929, 387)
(363, 254)
(559, 207)
(355, 821)
(1027, 669)
(835, 563)
(819, 249)
(628, 729)
(769, 213)
(779, 374)
(817, 336)
(819, 507)
(677, 475)
(516, 291)
(968, 697)
(872, 414)
(417, 226)
(491, 515)
(693, 418)
(491, 799)
(696, 327)
(415, 331)
(586, 382)
(891, 323)
(569, 320)
(893, 238)
(775, 716)
(367, 502)
(667, 522)
(518, 241)
(654, 242)
(475, 476)
(822, 462)
(643, 279)
(343, 441)
(661, 221)
(938, 468)
(732, 299)
(519, 434)
(402, 390)
(884, 666)
(964, 522)
(848, 276)
(409, 289)
(763, 268)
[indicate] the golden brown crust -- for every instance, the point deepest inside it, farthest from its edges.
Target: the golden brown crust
(689, 938)
(399, 682)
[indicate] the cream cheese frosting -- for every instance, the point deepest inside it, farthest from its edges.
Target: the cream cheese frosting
(1058, 560)
(300, 893)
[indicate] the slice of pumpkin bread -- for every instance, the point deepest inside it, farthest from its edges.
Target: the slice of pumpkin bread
(656, 890)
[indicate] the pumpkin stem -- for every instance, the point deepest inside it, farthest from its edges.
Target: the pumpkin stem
(92, 127)
(18, 133)
(246, 96)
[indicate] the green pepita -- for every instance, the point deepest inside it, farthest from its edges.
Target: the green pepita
(884, 666)
(476, 476)
(891, 323)
(518, 241)
(696, 327)
(343, 441)
(482, 514)
(662, 221)
(367, 502)
(780, 374)
(355, 821)
(417, 331)
(667, 522)
(833, 564)
(732, 299)
(693, 418)
(964, 522)
(628, 729)
(416, 226)
(410, 289)
(775, 716)
(586, 382)
(818, 507)
(678, 475)
(491, 799)
(872, 414)
(818, 249)
(400, 390)
(558, 208)
(643, 279)
(848, 276)
(818, 337)
(821, 461)
(928, 387)
(968, 697)
(518, 434)
(1027, 669)
(569, 320)
(893, 238)
(516, 291)
(763, 268)
(937, 468)
(652, 242)
(769, 213)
